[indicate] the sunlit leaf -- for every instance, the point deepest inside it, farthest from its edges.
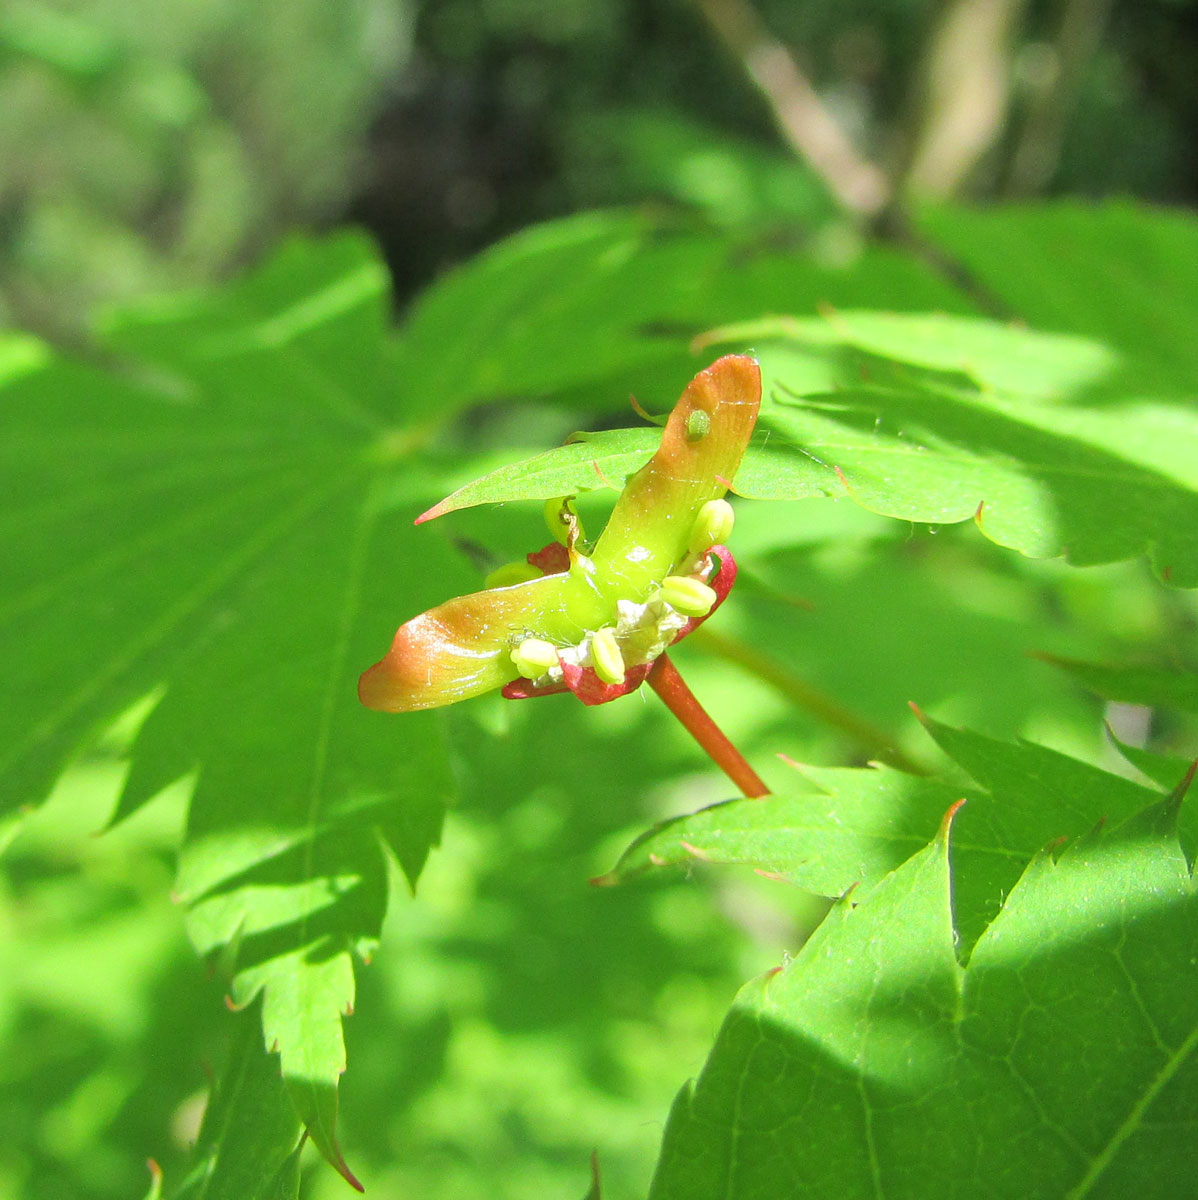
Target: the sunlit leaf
(849, 827)
(939, 420)
(1095, 484)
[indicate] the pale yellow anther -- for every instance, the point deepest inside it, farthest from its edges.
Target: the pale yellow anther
(534, 656)
(712, 526)
(689, 596)
(606, 657)
(512, 573)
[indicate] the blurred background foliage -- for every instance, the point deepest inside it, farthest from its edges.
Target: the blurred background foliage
(148, 147)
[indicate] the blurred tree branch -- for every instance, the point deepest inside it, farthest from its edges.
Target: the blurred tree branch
(1038, 145)
(959, 96)
(801, 116)
(816, 136)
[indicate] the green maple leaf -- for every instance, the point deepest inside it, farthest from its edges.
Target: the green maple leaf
(221, 521)
(1120, 273)
(956, 419)
(1149, 686)
(248, 1144)
(925, 420)
(1079, 442)
(1059, 1059)
(849, 827)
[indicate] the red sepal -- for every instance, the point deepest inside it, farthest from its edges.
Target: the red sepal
(525, 689)
(554, 559)
(590, 689)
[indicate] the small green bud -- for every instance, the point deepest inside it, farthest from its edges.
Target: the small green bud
(606, 657)
(697, 425)
(687, 595)
(712, 526)
(534, 656)
(512, 573)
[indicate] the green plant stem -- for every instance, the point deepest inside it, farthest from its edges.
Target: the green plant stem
(680, 700)
(874, 741)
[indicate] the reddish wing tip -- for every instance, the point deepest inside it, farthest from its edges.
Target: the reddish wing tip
(375, 688)
(431, 514)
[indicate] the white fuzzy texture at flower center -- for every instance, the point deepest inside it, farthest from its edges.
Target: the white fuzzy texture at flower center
(644, 631)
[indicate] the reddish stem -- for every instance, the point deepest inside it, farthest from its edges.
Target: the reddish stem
(680, 700)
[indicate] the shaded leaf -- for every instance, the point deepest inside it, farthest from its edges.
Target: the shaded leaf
(956, 419)
(1036, 796)
(1135, 685)
(1165, 769)
(285, 1183)
(1124, 274)
(558, 306)
(223, 526)
(853, 826)
(614, 299)
(249, 1143)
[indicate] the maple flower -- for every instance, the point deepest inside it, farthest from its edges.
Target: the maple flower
(595, 623)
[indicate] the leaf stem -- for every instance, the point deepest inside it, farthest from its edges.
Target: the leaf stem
(874, 741)
(680, 700)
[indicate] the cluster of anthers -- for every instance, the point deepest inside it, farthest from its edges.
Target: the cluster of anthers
(614, 659)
